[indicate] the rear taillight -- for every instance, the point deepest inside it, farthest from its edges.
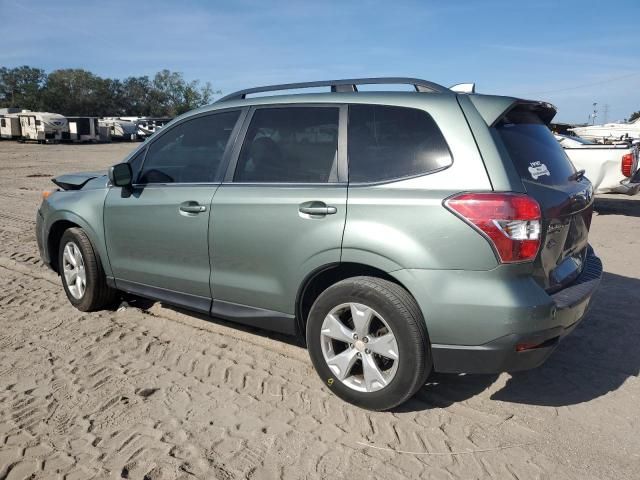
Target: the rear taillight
(627, 165)
(510, 221)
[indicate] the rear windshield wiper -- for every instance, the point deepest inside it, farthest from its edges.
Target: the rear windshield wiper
(577, 176)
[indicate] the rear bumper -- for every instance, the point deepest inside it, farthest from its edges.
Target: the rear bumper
(532, 325)
(630, 186)
(499, 355)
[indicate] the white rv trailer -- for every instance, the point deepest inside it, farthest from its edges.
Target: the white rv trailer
(9, 126)
(42, 126)
(103, 133)
(82, 129)
(147, 126)
(120, 129)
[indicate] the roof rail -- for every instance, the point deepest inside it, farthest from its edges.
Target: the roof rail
(344, 85)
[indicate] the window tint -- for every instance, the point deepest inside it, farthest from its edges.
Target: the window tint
(190, 152)
(136, 163)
(536, 153)
(393, 142)
(295, 145)
(4, 124)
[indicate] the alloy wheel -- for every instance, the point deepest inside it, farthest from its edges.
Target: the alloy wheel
(359, 347)
(73, 269)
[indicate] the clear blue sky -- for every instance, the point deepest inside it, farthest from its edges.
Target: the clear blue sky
(571, 53)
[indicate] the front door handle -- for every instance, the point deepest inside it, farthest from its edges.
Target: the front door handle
(317, 208)
(192, 207)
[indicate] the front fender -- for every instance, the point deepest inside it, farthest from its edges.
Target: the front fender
(83, 208)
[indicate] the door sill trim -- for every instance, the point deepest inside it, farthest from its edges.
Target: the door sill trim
(254, 317)
(186, 300)
(232, 312)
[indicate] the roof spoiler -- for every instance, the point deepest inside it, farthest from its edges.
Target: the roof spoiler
(493, 108)
(463, 88)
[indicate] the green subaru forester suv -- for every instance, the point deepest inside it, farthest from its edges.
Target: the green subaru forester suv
(401, 232)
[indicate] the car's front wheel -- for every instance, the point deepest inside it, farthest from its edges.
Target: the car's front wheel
(82, 275)
(368, 341)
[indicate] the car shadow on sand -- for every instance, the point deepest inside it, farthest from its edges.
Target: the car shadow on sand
(145, 304)
(621, 205)
(594, 360)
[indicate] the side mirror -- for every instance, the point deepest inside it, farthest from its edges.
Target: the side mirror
(121, 175)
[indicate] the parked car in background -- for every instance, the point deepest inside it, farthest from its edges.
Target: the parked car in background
(610, 168)
(609, 132)
(400, 233)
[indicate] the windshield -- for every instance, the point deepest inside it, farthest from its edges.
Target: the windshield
(535, 152)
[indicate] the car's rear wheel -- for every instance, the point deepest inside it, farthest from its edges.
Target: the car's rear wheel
(368, 342)
(81, 271)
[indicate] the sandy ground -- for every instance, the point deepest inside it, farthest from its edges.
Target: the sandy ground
(150, 392)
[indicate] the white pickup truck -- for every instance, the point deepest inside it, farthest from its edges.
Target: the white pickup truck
(611, 168)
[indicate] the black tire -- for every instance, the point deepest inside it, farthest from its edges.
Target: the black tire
(403, 316)
(97, 294)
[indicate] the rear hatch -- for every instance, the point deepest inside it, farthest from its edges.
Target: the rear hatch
(565, 197)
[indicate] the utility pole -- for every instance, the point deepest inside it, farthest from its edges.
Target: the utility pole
(594, 115)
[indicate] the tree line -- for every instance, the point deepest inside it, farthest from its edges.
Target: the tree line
(75, 91)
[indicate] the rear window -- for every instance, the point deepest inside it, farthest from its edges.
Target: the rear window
(387, 143)
(536, 153)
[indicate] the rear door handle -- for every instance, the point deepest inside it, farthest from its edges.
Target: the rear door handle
(317, 208)
(192, 207)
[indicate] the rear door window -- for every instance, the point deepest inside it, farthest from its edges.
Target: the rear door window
(535, 152)
(190, 152)
(387, 143)
(290, 145)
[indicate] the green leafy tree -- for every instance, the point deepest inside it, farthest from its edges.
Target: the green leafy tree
(73, 92)
(172, 95)
(21, 87)
(135, 96)
(634, 116)
(76, 91)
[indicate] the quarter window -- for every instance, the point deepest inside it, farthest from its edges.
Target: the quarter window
(387, 143)
(191, 152)
(290, 145)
